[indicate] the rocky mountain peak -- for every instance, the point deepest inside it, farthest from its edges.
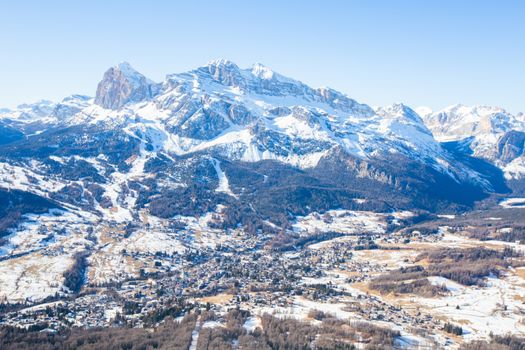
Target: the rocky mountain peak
(122, 84)
(225, 72)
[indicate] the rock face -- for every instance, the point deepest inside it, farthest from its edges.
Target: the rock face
(123, 84)
(511, 145)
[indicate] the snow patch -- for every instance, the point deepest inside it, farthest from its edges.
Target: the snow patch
(224, 185)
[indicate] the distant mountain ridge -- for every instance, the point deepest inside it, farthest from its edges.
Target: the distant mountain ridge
(491, 133)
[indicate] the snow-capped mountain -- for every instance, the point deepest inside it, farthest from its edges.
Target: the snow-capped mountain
(122, 84)
(254, 114)
(42, 115)
(262, 147)
(459, 122)
(489, 132)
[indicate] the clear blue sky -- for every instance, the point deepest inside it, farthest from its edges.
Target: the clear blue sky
(432, 53)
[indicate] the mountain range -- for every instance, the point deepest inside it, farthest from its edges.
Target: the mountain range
(259, 147)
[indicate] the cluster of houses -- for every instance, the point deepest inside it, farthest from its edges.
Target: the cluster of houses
(255, 276)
